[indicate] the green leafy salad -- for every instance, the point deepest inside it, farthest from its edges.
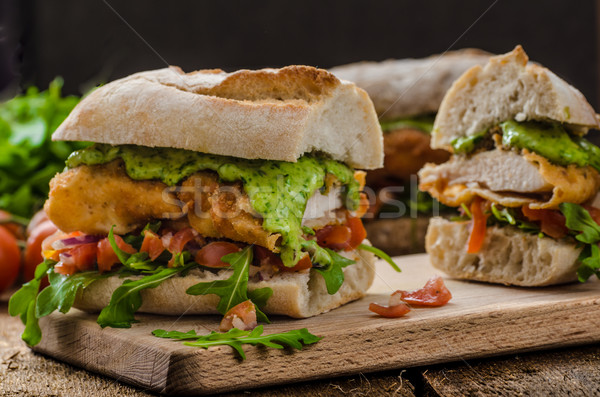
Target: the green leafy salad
(28, 157)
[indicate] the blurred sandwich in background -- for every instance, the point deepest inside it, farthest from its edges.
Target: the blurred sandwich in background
(406, 94)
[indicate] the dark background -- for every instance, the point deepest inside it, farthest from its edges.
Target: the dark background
(86, 42)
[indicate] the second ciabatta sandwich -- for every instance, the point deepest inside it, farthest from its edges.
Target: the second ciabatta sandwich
(212, 192)
(406, 94)
(522, 174)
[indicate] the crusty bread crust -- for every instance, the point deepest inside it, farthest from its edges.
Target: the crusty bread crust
(272, 114)
(508, 256)
(508, 88)
(298, 294)
(409, 87)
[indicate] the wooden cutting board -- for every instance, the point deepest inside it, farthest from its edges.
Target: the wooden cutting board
(481, 320)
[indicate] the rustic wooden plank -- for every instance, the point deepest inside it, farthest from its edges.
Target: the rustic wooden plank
(482, 320)
(572, 371)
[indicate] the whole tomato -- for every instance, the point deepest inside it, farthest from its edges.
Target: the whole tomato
(16, 229)
(10, 259)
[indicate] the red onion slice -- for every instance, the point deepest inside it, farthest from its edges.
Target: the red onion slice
(75, 241)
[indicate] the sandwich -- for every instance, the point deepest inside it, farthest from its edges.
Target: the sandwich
(522, 174)
(206, 191)
(406, 94)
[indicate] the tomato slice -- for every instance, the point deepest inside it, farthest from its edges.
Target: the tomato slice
(434, 293)
(241, 316)
(10, 259)
(152, 245)
(210, 255)
(594, 213)
(393, 311)
(106, 256)
(479, 226)
(33, 248)
(552, 222)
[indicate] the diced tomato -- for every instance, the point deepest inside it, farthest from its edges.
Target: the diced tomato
(434, 293)
(552, 222)
(342, 237)
(335, 237)
(241, 316)
(33, 248)
(393, 311)
(358, 232)
(106, 256)
(80, 258)
(180, 239)
(210, 255)
(479, 226)
(363, 206)
(265, 256)
(152, 244)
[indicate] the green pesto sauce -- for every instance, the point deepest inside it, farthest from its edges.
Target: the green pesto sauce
(466, 144)
(552, 141)
(423, 123)
(278, 190)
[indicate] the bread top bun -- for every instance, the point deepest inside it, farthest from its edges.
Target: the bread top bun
(410, 87)
(508, 88)
(271, 114)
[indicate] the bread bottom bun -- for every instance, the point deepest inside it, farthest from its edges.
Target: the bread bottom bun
(298, 294)
(508, 256)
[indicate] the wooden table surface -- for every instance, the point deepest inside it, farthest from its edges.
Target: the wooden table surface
(569, 371)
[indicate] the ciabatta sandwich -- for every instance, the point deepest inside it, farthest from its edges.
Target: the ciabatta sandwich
(522, 173)
(206, 189)
(406, 94)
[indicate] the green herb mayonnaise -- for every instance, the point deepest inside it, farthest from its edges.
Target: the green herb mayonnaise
(423, 123)
(552, 141)
(278, 190)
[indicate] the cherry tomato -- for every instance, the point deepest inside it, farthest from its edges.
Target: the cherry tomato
(342, 237)
(10, 259)
(33, 248)
(15, 229)
(210, 255)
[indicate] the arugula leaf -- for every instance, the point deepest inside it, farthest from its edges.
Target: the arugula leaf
(234, 290)
(122, 255)
(236, 338)
(328, 264)
(260, 296)
(579, 219)
(126, 299)
(61, 292)
(590, 262)
(23, 303)
(382, 255)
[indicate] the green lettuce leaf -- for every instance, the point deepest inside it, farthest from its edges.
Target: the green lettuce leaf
(236, 338)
